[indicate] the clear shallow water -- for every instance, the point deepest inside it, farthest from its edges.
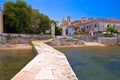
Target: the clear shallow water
(12, 61)
(100, 63)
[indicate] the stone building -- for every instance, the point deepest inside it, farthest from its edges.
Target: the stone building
(64, 27)
(72, 27)
(98, 26)
(67, 26)
(90, 27)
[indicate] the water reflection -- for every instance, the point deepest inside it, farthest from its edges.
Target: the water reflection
(100, 63)
(11, 61)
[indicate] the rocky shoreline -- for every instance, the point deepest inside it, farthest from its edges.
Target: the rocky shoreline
(64, 42)
(56, 43)
(71, 43)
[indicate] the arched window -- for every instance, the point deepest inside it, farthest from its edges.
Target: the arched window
(90, 33)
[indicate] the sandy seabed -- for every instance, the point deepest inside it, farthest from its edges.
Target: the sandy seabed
(87, 44)
(15, 46)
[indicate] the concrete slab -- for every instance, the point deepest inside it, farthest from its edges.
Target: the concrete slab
(45, 74)
(49, 64)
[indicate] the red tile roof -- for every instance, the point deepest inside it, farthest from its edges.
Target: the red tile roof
(115, 20)
(75, 24)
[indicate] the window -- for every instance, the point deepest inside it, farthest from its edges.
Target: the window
(95, 33)
(87, 27)
(113, 26)
(95, 25)
(108, 26)
(90, 34)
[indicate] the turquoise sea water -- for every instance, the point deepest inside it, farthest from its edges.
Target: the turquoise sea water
(94, 63)
(12, 61)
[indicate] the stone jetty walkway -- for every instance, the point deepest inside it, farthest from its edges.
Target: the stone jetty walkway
(49, 64)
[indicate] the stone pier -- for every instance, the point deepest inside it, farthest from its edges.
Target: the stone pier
(49, 64)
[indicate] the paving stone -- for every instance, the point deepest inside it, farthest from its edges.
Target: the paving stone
(49, 64)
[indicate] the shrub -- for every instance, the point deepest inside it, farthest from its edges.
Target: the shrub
(8, 38)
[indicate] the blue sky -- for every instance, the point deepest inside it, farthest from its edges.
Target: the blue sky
(57, 9)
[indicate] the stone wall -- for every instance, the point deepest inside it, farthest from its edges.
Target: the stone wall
(21, 38)
(84, 38)
(108, 40)
(15, 40)
(38, 36)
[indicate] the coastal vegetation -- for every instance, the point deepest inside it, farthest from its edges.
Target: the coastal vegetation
(58, 30)
(111, 30)
(19, 17)
(8, 38)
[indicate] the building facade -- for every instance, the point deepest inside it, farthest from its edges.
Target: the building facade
(90, 27)
(100, 25)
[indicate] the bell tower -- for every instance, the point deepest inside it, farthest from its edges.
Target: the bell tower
(1, 22)
(83, 19)
(68, 19)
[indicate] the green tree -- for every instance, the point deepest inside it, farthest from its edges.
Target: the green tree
(44, 23)
(17, 16)
(112, 30)
(91, 18)
(58, 30)
(35, 20)
(77, 21)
